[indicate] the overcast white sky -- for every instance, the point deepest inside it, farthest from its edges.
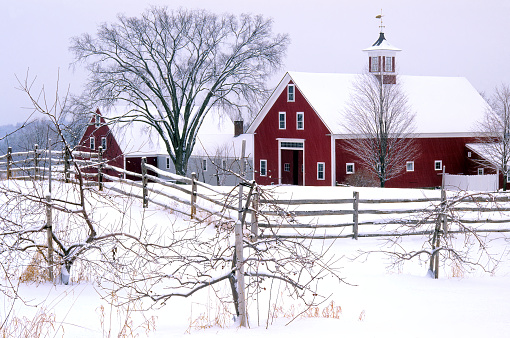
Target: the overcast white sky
(439, 38)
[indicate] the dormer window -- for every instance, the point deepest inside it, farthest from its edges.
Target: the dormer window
(374, 64)
(291, 93)
(388, 64)
(98, 121)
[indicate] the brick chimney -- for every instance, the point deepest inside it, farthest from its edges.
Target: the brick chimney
(238, 128)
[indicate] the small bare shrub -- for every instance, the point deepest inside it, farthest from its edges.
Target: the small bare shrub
(35, 272)
(362, 178)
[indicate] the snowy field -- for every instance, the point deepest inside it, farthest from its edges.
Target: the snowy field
(378, 298)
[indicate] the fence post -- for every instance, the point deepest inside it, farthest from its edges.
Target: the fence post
(36, 161)
(66, 165)
(9, 162)
(193, 194)
(144, 182)
(99, 168)
(49, 233)
(49, 165)
(355, 214)
(254, 215)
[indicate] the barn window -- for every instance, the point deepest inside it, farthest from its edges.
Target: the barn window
(92, 143)
(469, 154)
(388, 64)
(103, 142)
(263, 167)
(480, 171)
(290, 93)
(204, 165)
(281, 120)
(349, 168)
(168, 162)
(374, 64)
(320, 170)
(224, 164)
(438, 165)
(98, 121)
(286, 167)
(300, 120)
(410, 166)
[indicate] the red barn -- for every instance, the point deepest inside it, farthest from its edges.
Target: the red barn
(299, 138)
(99, 134)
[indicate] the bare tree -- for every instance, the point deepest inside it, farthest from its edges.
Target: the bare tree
(171, 68)
(381, 124)
(37, 131)
(495, 132)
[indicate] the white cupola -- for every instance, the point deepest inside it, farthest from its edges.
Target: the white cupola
(381, 59)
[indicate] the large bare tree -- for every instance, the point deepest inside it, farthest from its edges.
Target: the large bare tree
(381, 124)
(495, 132)
(172, 67)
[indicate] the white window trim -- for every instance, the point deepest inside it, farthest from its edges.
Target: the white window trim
(323, 171)
(264, 172)
(204, 164)
(410, 169)
(388, 67)
(480, 171)
(92, 143)
(97, 121)
(440, 165)
(289, 99)
(374, 66)
(347, 170)
(284, 114)
(302, 114)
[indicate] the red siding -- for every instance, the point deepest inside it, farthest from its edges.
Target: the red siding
(317, 144)
(113, 154)
(134, 164)
(451, 151)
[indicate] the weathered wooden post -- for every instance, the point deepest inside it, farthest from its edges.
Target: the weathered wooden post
(193, 195)
(9, 162)
(36, 161)
(67, 165)
(243, 322)
(441, 224)
(100, 168)
(49, 233)
(355, 214)
(254, 215)
(49, 165)
(145, 201)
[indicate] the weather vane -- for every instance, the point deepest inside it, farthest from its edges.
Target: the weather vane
(380, 16)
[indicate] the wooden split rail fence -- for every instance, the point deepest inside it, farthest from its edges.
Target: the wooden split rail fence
(268, 217)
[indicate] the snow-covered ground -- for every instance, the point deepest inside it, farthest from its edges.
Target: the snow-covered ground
(378, 299)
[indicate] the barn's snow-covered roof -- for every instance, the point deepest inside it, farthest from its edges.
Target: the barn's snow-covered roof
(137, 139)
(442, 105)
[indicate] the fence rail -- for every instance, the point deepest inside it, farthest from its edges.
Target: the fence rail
(268, 216)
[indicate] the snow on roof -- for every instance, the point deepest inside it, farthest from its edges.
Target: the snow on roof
(138, 139)
(490, 152)
(442, 104)
(381, 44)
